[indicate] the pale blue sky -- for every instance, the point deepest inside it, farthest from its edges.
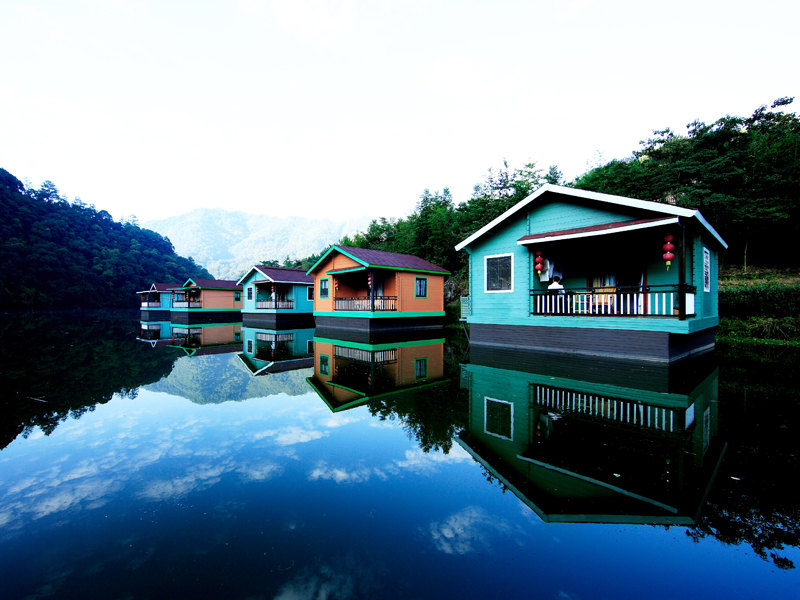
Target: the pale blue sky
(351, 108)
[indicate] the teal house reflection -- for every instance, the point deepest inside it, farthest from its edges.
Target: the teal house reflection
(348, 373)
(276, 350)
(582, 440)
(155, 333)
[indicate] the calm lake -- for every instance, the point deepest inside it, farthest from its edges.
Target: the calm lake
(158, 461)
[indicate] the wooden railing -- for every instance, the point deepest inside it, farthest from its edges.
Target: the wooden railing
(151, 304)
(275, 304)
(648, 301)
(274, 337)
(365, 303)
(608, 408)
(368, 356)
(187, 304)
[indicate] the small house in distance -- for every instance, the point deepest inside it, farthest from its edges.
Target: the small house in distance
(200, 301)
(276, 297)
(156, 301)
(371, 291)
(579, 272)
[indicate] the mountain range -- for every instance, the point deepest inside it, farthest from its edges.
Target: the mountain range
(228, 243)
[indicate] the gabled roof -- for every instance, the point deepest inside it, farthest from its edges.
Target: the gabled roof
(280, 275)
(383, 260)
(160, 287)
(214, 284)
(548, 188)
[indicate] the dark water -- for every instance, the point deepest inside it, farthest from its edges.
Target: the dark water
(242, 463)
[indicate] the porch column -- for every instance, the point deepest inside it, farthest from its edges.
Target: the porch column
(372, 291)
(682, 275)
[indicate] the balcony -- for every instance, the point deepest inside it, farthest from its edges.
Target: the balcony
(275, 304)
(366, 304)
(647, 301)
(187, 304)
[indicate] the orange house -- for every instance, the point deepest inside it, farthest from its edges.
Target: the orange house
(207, 301)
(371, 290)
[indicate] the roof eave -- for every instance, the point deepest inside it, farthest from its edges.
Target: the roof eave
(586, 195)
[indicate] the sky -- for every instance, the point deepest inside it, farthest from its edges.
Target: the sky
(347, 109)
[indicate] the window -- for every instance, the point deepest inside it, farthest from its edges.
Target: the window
(237, 336)
(421, 287)
(323, 288)
(309, 346)
(237, 296)
(310, 293)
(324, 368)
(420, 368)
(706, 270)
(249, 346)
(499, 418)
(499, 271)
(250, 292)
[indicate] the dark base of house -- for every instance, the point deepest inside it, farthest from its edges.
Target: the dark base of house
(278, 320)
(653, 346)
(155, 314)
(206, 317)
(378, 331)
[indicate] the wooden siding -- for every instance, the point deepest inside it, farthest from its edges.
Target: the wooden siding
(212, 299)
(406, 300)
(557, 216)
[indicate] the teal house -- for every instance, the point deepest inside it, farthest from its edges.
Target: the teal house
(156, 301)
(578, 272)
(582, 439)
(277, 297)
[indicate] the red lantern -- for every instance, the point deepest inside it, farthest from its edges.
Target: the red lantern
(539, 266)
(335, 283)
(369, 279)
(668, 247)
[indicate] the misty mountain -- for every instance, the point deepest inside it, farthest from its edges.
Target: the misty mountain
(227, 243)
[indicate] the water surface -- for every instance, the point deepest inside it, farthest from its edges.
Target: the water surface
(409, 469)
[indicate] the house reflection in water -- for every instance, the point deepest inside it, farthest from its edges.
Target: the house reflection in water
(155, 333)
(195, 340)
(347, 373)
(276, 350)
(586, 440)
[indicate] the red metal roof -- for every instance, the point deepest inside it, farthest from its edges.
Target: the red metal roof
(285, 274)
(595, 229)
(379, 258)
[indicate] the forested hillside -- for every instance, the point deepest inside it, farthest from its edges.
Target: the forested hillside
(57, 254)
(743, 173)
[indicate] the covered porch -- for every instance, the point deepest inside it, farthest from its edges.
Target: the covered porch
(634, 268)
(363, 290)
(273, 296)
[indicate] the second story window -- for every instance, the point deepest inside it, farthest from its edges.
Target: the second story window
(323, 288)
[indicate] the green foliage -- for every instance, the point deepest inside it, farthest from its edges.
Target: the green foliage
(760, 300)
(57, 254)
(742, 173)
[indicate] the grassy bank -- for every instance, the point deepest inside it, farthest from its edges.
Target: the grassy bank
(761, 305)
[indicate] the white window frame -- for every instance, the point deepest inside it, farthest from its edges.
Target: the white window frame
(486, 274)
(486, 400)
